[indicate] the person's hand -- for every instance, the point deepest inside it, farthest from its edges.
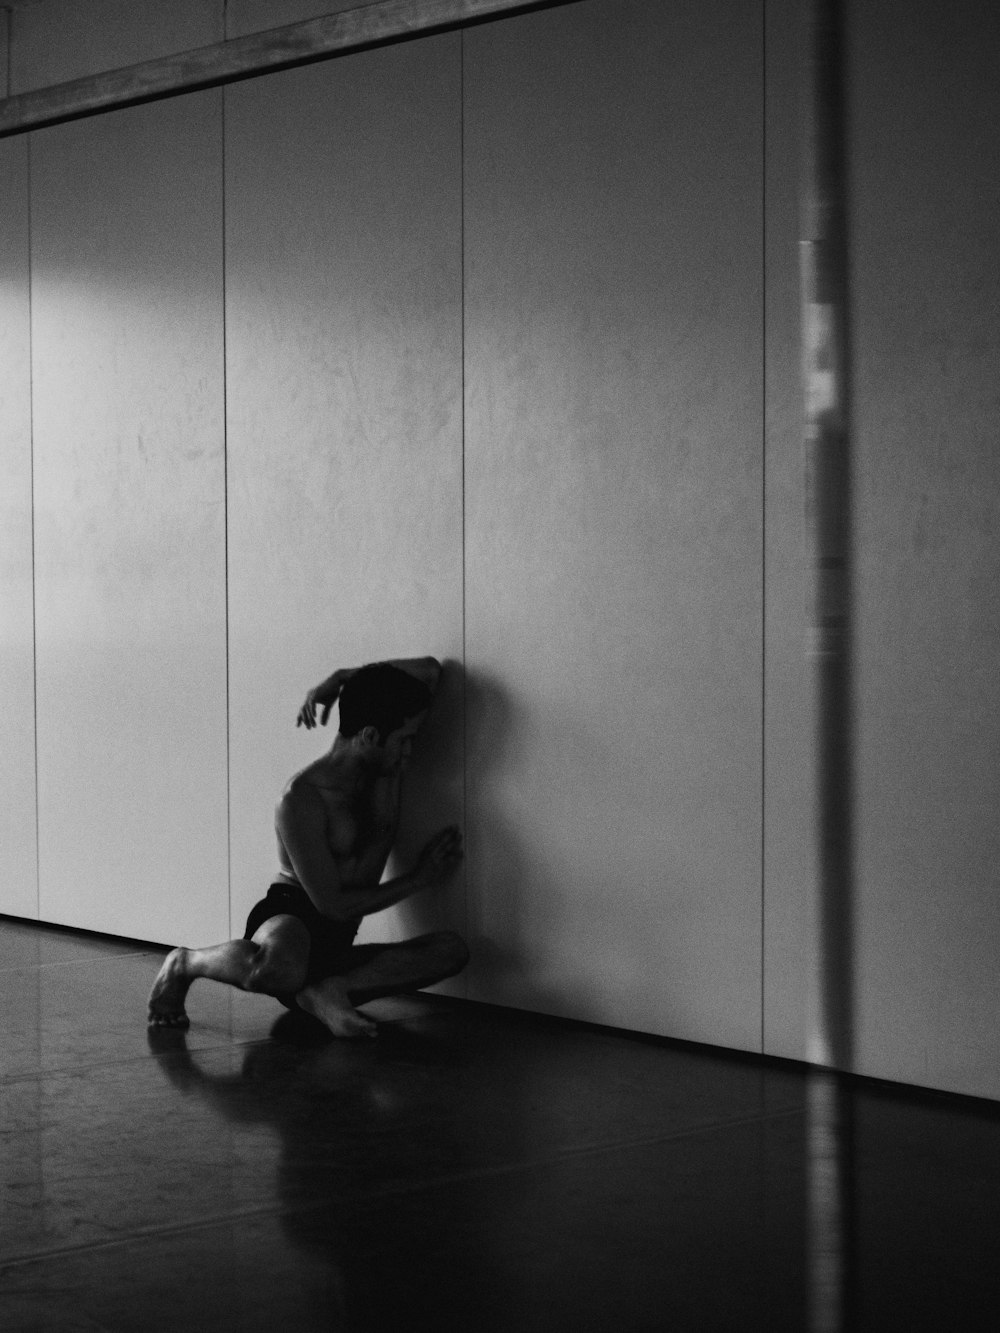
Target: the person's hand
(324, 696)
(441, 855)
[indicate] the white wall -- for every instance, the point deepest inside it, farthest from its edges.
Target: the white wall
(17, 676)
(789, 874)
(130, 520)
(5, 20)
(344, 354)
(926, 222)
(923, 111)
(53, 41)
(615, 505)
(613, 437)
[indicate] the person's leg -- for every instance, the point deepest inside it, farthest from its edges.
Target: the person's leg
(273, 962)
(377, 970)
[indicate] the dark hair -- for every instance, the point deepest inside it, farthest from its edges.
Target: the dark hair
(383, 697)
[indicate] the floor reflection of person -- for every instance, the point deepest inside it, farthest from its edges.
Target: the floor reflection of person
(336, 822)
(341, 1152)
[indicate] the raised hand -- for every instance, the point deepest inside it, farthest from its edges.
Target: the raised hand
(441, 855)
(324, 696)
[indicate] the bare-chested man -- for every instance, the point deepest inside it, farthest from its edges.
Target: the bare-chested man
(336, 822)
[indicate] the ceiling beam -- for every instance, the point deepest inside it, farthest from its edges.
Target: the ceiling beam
(372, 25)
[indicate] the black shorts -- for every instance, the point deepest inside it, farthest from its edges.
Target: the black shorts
(329, 941)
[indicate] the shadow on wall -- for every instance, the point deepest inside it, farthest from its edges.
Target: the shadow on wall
(507, 934)
(464, 771)
(432, 799)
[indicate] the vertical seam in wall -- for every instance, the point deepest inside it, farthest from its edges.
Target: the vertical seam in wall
(763, 523)
(225, 514)
(31, 454)
(465, 709)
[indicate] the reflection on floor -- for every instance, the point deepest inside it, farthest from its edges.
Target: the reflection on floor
(474, 1169)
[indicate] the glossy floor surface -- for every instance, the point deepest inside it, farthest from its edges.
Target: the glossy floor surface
(473, 1169)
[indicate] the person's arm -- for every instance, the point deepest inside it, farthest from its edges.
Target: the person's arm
(426, 669)
(440, 856)
(324, 695)
(301, 823)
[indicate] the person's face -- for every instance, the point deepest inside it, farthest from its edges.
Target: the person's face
(398, 745)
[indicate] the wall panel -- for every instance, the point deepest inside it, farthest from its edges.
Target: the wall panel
(19, 889)
(925, 116)
(5, 53)
(790, 961)
(129, 521)
(56, 40)
(345, 428)
(613, 284)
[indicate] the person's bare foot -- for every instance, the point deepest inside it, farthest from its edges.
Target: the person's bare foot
(166, 999)
(329, 1003)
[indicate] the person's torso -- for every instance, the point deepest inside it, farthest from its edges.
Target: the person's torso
(359, 826)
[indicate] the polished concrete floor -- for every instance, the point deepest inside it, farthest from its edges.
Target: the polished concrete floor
(474, 1169)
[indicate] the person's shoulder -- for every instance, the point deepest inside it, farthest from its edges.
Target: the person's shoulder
(309, 809)
(314, 788)
(300, 795)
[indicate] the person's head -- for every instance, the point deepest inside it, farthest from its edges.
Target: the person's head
(382, 704)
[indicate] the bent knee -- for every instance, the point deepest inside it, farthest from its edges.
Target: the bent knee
(452, 950)
(277, 973)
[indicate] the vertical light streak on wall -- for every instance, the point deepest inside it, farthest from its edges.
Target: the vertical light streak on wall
(763, 519)
(225, 510)
(34, 583)
(828, 526)
(465, 636)
(828, 533)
